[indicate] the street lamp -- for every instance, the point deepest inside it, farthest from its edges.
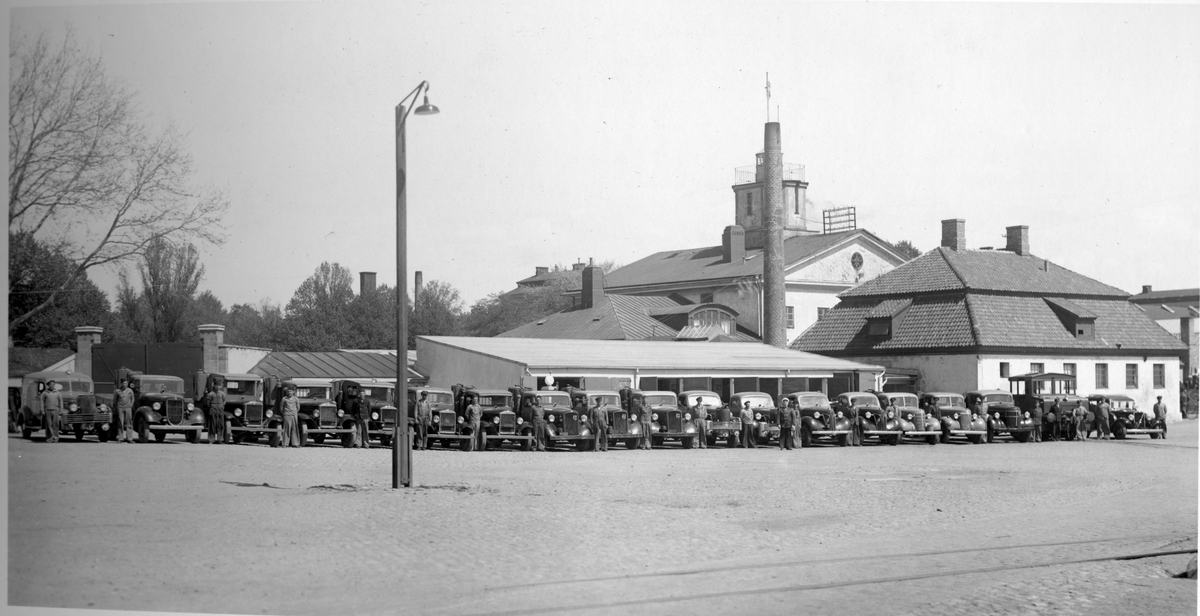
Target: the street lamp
(402, 438)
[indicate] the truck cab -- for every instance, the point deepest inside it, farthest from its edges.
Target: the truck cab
(247, 415)
(668, 421)
(563, 422)
(449, 421)
(318, 414)
(500, 422)
(82, 412)
(950, 409)
(914, 421)
(873, 421)
(818, 419)
(1001, 414)
(160, 407)
(762, 408)
(381, 418)
(723, 423)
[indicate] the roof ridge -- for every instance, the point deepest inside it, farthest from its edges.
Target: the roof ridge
(942, 251)
(976, 333)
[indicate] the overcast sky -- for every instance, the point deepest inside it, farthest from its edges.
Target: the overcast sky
(612, 130)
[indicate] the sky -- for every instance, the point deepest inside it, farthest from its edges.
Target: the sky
(571, 131)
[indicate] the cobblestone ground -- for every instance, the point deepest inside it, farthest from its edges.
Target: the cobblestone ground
(1005, 528)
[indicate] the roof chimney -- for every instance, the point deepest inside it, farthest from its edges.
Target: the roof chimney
(1018, 239)
(954, 234)
(733, 243)
(1145, 289)
(575, 267)
(593, 285)
(366, 282)
(538, 271)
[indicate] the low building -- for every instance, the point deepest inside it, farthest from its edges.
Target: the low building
(356, 365)
(957, 320)
(1176, 310)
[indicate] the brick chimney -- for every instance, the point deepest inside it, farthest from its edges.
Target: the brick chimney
(774, 294)
(733, 243)
(954, 234)
(1145, 289)
(418, 282)
(575, 267)
(593, 285)
(1018, 239)
(85, 337)
(212, 337)
(538, 271)
(366, 282)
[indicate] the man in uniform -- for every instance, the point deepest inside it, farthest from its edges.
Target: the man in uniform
(123, 401)
(52, 405)
(600, 418)
(424, 417)
(787, 425)
(214, 412)
(539, 424)
(290, 409)
(647, 424)
(700, 412)
(475, 421)
(747, 417)
(360, 409)
(1160, 413)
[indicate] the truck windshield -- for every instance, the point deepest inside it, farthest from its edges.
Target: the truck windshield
(79, 386)
(660, 400)
(951, 401)
(312, 393)
(384, 394)
(904, 401)
(554, 399)
(1002, 398)
(710, 400)
(613, 400)
(758, 402)
(155, 386)
(496, 401)
(810, 401)
(867, 401)
(242, 388)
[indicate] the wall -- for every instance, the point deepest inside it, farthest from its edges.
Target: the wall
(446, 366)
(836, 266)
(805, 299)
(955, 373)
(239, 359)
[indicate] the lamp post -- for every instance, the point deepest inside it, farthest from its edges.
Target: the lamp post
(402, 438)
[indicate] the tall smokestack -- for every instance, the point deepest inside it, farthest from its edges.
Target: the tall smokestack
(774, 294)
(366, 283)
(418, 279)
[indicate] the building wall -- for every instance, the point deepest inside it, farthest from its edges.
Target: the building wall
(239, 360)
(956, 373)
(836, 267)
(805, 300)
(446, 366)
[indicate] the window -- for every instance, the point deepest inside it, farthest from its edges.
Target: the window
(791, 318)
(821, 312)
(1160, 376)
(706, 298)
(1101, 376)
(1131, 376)
(1004, 370)
(879, 327)
(1069, 369)
(1037, 368)
(749, 204)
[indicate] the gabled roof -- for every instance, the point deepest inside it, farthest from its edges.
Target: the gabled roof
(1189, 297)
(707, 263)
(942, 269)
(619, 317)
(331, 365)
(1069, 308)
(23, 360)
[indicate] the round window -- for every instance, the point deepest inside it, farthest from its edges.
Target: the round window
(856, 260)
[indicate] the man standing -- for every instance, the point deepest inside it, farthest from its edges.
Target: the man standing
(1036, 416)
(424, 417)
(123, 401)
(600, 418)
(360, 409)
(475, 421)
(643, 415)
(539, 424)
(787, 425)
(290, 437)
(1160, 414)
(700, 412)
(214, 412)
(1055, 419)
(747, 418)
(1102, 419)
(52, 405)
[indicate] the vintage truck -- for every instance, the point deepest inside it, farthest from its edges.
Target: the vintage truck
(449, 422)
(668, 420)
(863, 407)
(381, 418)
(248, 413)
(1040, 391)
(563, 422)
(766, 416)
(951, 411)
(82, 412)
(818, 419)
(914, 421)
(160, 406)
(319, 417)
(1003, 416)
(500, 422)
(723, 423)
(1124, 417)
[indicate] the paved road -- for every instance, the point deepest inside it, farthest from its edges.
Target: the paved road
(913, 529)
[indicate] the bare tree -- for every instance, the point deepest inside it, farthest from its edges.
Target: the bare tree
(86, 176)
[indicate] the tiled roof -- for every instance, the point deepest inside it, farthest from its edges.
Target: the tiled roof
(24, 360)
(958, 320)
(616, 317)
(330, 365)
(1168, 296)
(693, 264)
(1070, 308)
(943, 269)
(889, 308)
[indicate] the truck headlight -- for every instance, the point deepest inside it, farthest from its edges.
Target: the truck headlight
(550, 418)
(687, 416)
(758, 417)
(839, 414)
(496, 419)
(908, 417)
(890, 414)
(269, 413)
(956, 415)
(374, 416)
(237, 412)
(74, 407)
(460, 419)
(633, 417)
(191, 407)
(1026, 414)
(654, 417)
(996, 415)
(867, 414)
(520, 421)
(341, 412)
(156, 406)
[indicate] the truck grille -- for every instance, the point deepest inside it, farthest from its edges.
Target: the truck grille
(388, 415)
(446, 422)
(174, 411)
(508, 422)
(327, 415)
(1010, 417)
(674, 421)
(918, 420)
(571, 423)
(253, 413)
(87, 404)
(620, 422)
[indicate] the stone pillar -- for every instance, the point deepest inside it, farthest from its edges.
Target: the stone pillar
(85, 337)
(774, 293)
(213, 336)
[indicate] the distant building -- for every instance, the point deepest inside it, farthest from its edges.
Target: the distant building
(956, 320)
(1176, 310)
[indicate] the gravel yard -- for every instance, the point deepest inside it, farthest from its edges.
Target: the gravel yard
(915, 529)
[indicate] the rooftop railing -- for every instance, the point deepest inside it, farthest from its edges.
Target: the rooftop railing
(746, 175)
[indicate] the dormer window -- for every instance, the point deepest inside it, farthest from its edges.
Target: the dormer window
(1080, 322)
(879, 327)
(883, 320)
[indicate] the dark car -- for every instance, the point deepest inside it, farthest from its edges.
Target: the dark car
(82, 412)
(500, 423)
(319, 417)
(818, 420)
(161, 407)
(762, 408)
(873, 421)
(951, 411)
(1003, 416)
(668, 421)
(247, 415)
(564, 423)
(449, 424)
(1124, 417)
(914, 421)
(723, 423)
(1036, 393)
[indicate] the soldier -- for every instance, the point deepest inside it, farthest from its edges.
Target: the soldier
(215, 414)
(1160, 414)
(360, 409)
(290, 408)
(475, 421)
(539, 424)
(600, 417)
(787, 425)
(424, 417)
(701, 414)
(647, 425)
(747, 417)
(52, 405)
(123, 401)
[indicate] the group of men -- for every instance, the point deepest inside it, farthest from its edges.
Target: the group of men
(122, 419)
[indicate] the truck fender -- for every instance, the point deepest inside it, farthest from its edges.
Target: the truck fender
(146, 414)
(689, 427)
(551, 430)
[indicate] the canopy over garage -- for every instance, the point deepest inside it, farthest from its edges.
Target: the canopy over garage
(653, 365)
